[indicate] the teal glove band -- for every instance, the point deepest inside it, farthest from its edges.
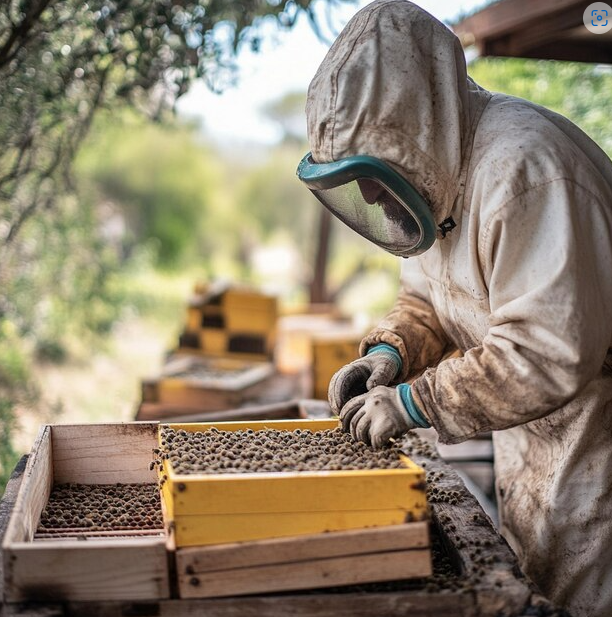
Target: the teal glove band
(411, 407)
(390, 352)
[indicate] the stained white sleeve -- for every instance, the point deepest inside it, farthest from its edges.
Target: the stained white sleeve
(547, 258)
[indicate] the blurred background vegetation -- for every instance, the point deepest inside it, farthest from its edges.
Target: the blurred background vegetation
(112, 206)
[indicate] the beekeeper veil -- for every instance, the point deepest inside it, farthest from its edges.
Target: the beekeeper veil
(389, 115)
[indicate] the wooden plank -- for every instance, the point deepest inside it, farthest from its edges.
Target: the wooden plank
(272, 411)
(323, 604)
(306, 491)
(216, 373)
(148, 390)
(536, 35)
(213, 340)
(78, 533)
(502, 17)
(311, 574)
(34, 493)
(104, 453)
(153, 412)
(193, 322)
(278, 425)
(113, 570)
(299, 491)
(247, 321)
(473, 544)
(248, 299)
(239, 555)
(179, 394)
(7, 505)
(234, 355)
(573, 50)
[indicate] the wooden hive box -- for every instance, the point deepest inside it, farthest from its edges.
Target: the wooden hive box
(108, 568)
(330, 353)
(249, 312)
(190, 382)
(233, 322)
(487, 581)
(206, 509)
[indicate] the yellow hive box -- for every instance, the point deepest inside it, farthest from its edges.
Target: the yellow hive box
(214, 509)
(194, 319)
(329, 354)
(213, 341)
(249, 312)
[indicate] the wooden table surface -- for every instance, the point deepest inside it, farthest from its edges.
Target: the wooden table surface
(493, 587)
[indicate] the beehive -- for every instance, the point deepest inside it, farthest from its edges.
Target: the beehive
(231, 322)
(208, 509)
(330, 353)
(77, 564)
(205, 383)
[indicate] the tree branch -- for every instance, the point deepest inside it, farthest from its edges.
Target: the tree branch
(20, 32)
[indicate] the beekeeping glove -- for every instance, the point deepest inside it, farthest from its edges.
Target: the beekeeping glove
(378, 367)
(382, 413)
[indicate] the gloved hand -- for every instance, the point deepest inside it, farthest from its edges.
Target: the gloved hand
(382, 413)
(378, 367)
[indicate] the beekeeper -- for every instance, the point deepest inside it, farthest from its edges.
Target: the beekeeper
(504, 211)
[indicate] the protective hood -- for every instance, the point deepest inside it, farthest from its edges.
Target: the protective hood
(394, 86)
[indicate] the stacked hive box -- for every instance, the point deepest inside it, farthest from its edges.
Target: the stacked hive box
(474, 571)
(331, 352)
(231, 322)
(225, 355)
(221, 505)
(247, 518)
(201, 384)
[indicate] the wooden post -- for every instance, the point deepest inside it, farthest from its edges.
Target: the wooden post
(318, 285)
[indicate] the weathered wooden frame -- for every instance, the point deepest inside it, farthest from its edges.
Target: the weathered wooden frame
(120, 568)
(305, 562)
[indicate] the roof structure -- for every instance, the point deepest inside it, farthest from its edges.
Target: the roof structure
(547, 29)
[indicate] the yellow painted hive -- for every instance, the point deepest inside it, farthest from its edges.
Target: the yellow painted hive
(220, 507)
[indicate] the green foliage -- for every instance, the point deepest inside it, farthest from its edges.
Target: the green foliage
(55, 281)
(272, 199)
(160, 180)
(581, 92)
(15, 386)
(8, 455)
(289, 113)
(60, 62)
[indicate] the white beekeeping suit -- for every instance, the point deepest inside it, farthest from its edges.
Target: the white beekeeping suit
(522, 285)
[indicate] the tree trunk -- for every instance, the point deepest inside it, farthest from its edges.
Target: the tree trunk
(318, 285)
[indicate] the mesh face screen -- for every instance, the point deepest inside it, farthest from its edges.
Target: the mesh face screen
(371, 210)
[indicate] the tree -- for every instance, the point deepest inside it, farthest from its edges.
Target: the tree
(61, 61)
(288, 112)
(581, 92)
